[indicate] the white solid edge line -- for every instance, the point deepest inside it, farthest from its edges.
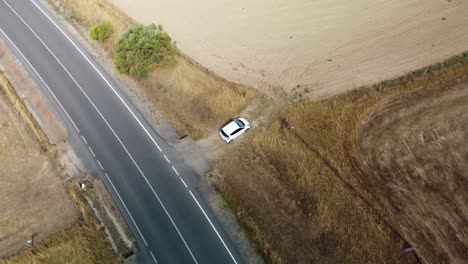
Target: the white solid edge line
(155, 261)
(126, 209)
(92, 152)
(183, 182)
(168, 161)
(84, 140)
(104, 119)
(174, 169)
(128, 108)
(65, 111)
(100, 165)
(99, 72)
(214, 228)
(40, 78)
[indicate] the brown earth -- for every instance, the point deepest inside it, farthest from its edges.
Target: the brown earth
(415, 155)
(34, 201)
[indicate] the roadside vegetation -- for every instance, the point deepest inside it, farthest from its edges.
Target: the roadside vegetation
(141, 48)
(102, 31)
(194, 100)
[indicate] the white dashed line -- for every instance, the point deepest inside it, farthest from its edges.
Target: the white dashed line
(132, 113)
(214, 228)
(176, 172)
(155, 261)
(74, 125)
(126, 209)
(92, 152)
(84, 140)
(112, 130)
(99, 163)
(183, 182)
(168, 161)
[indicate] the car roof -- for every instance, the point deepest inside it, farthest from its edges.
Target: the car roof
(231, 127)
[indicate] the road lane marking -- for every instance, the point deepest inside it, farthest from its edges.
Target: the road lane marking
(183, 182)
(128, 108)
(110, 127)
(176, 172)
(168, 161)
(84, 140)
(99, 72)
(214, 228)
(40, 78)
(92, 152)
(71, 120)
(99, 163)
(126, 209)
(155, 261)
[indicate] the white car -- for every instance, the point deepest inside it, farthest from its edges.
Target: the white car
(234, 129)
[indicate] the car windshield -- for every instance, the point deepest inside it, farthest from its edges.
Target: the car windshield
(224, 134)
(240, 123)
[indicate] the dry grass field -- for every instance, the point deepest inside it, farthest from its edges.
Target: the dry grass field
(414, 152)
(190, 97)
(82, 243)
(34, 200)
(304, 198)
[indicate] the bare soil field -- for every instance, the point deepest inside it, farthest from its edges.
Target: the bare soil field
(34, 200)
(415, 157)
(313, 48)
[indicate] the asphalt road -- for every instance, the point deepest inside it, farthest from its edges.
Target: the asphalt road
(146, 178)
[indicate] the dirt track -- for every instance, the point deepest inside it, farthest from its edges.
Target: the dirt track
(415, 154)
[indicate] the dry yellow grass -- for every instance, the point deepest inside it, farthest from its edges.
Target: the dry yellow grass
(19, 105)
(194, 100)
(83, 243)
(299, 193)
(90, 12)
(298, 210)
(190, 97)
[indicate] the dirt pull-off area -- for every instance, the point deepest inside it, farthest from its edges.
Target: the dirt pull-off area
(33, 201)
(415, 154)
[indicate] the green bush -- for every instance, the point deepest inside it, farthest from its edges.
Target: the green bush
(141, 48)
(102, 31)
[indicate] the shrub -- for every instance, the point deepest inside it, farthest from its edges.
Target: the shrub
(141, 48)
(102, 31)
